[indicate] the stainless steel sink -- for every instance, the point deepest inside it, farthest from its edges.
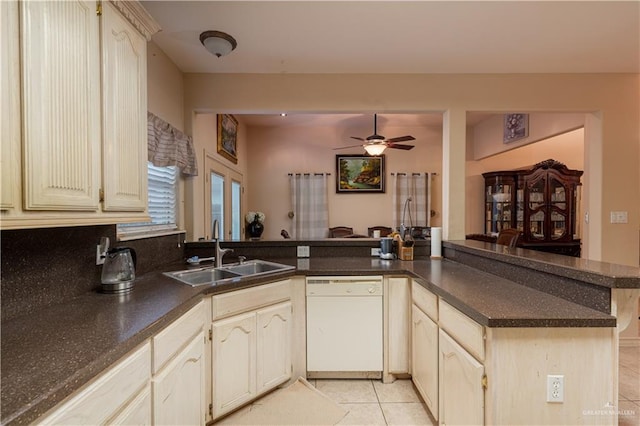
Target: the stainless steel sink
(227, 273)
(202, 276)
(256, 267)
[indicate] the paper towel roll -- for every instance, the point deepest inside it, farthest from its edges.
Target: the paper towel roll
(436, 243)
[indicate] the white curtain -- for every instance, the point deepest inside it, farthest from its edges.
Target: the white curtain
(412, 199)
(309, 203)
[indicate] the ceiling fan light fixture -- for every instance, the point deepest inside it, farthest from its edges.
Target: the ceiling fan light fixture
(375, 148)
(218, 43)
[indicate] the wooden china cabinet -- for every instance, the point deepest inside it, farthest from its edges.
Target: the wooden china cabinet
(541, 202)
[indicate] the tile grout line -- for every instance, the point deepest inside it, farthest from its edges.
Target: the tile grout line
(379, 403)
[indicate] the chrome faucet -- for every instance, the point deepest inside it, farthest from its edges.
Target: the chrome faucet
(215, 232)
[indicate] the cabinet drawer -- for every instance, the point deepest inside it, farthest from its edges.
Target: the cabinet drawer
(173, 338)
(104, 397)
(239, 301)
(425, 300)
(466, 331)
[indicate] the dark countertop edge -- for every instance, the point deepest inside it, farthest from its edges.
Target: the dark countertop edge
(546, 263)
(39, 406)
(605, 321)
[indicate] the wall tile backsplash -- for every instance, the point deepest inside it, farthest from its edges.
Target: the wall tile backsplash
(42, 267)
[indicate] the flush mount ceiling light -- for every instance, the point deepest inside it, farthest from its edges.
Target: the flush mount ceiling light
(218, 43)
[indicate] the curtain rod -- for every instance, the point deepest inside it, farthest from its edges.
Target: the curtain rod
(309, 174)
(414, 174)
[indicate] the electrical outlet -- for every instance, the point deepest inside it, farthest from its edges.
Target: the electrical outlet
(375, 251)
(619, 217)
(303, 251)
(99, 257)
(555, 388)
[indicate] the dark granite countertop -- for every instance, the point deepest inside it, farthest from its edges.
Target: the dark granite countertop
(603, 274)
(48, 356)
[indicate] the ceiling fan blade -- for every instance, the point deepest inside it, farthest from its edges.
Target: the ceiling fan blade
(399, 146)
(345, 147)
(401, 139)
(357, 138)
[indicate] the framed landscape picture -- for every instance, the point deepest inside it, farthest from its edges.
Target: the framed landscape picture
(228, 137)
(359, 174)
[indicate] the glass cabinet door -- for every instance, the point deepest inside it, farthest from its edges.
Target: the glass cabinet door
(558, 209)
(498, 207)
(537, 209)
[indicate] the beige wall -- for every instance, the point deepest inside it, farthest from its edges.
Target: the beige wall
(611, 131)
(165, 87)
(488, 134)
(275, 152)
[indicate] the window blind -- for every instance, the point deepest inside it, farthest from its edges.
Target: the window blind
(162, 202)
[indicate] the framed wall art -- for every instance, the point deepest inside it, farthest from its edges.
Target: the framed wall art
(228, 137)
(516, 127)
(359, 174)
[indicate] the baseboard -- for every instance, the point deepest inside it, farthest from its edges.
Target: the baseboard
(628, 342)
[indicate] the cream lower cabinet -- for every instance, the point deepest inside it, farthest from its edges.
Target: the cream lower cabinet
(461, 396)
(397, 342)
(179, 371)
(234, 362)
(251, 344)
(118, 396)
(178, 390)
(424, 360)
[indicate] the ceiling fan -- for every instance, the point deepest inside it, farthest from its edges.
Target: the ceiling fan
(376, 144)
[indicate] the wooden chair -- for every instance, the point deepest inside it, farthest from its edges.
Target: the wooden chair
(508, 237)
(384, 230)
(340, 232)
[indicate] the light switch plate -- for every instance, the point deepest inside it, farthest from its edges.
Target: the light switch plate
(303, 251)
(619, 217)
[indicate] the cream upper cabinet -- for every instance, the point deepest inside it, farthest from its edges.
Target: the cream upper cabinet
(124, 113)
(9, 106)
(60, 105)
(74, 143)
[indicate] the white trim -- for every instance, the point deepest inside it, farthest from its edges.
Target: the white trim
(149, 234)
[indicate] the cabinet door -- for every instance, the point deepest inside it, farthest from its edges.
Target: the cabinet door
(124, 98)
(178, 390)
(461, 396)
(399, 325)
(273, 346)
(61, 104)
(138, 412)
(234, 362)
(9, 106)
(425, 358)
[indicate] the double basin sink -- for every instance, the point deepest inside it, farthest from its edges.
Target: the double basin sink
(228, 273)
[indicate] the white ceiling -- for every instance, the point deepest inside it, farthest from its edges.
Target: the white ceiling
(404, 36)
(400, 37)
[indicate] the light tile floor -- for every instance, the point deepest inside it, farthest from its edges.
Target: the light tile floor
(371, 402)
(629, 389)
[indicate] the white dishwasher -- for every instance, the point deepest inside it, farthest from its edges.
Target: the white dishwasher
(344, 327)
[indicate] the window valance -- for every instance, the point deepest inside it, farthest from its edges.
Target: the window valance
(168, 146)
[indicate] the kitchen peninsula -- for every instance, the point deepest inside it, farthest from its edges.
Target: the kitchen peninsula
(52, 355)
